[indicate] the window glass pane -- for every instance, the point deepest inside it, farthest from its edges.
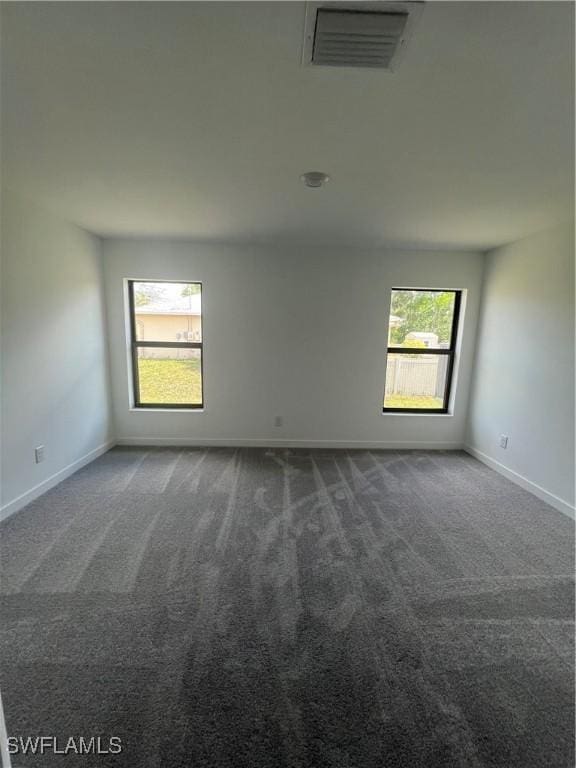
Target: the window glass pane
(421, 319)
(168, 311)
(415, 381)
(168, 375)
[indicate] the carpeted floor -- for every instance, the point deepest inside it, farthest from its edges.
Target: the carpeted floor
(260, 608)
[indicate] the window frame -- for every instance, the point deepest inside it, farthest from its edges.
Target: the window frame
(135, 344)
(450, 352)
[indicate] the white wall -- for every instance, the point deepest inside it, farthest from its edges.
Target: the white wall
(55, 379)
(524, 370)
(295, 332)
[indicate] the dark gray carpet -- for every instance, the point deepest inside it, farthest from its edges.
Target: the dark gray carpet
(258, 608)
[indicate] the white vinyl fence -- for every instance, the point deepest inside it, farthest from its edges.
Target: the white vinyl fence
(418, 375)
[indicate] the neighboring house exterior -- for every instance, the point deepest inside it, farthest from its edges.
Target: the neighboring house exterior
(169, 319)
(174, 326)
(427, 339)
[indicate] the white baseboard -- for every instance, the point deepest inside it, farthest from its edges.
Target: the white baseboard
(266, 443)
(21, 501)
(523, 482)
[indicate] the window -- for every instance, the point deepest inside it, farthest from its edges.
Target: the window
(421, 344)
(166, 341)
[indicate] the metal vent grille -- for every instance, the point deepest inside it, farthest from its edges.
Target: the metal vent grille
(357, 38)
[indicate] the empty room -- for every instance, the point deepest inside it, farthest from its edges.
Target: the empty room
(287, 384)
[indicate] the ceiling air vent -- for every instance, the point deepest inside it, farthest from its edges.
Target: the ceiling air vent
(364, 35)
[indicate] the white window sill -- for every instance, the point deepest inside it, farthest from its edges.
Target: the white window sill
(166, 410)
(418, 415)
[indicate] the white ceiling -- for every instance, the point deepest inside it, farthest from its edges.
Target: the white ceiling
(197, 119)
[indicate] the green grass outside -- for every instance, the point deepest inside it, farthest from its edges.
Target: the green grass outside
(412, 401)
(170, 381)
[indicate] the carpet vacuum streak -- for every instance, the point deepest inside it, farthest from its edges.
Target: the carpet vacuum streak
(258, 608)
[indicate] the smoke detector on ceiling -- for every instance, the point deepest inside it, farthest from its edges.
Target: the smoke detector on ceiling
(372, 34)
(315, 179)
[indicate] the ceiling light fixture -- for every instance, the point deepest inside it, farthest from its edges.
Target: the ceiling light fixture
(315, 179)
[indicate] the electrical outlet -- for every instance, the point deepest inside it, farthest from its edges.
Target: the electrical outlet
(39, 454)
(503, 441)
(278, 421)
